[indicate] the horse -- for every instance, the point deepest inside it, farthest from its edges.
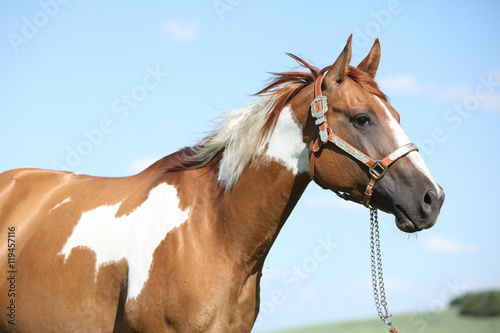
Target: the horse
(180, 246)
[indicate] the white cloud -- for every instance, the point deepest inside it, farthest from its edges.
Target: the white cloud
(398, 284)
(140, 164)
(182, 31)
(483, 94)
(308, 293)
(456, 94)
(492, 103)
(399, 84)
(332, 203)
(447, 245)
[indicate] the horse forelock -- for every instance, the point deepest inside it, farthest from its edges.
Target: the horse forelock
(366, 82)
(241, 133)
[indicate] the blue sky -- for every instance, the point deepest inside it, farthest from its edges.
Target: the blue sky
(106, 88)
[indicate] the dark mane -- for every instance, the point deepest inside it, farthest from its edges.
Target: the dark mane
(286, 85)
(283, 87)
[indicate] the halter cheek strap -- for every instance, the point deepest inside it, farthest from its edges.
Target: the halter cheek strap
(376, 168)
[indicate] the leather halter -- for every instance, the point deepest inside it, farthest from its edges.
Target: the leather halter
(376, 168)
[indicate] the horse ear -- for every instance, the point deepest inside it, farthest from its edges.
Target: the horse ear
(370, 63)
(339, 69)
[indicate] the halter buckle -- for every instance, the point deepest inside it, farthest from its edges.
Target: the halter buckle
(319, 106)
(378, 170)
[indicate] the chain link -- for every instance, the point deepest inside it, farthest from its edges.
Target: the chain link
(377, 274)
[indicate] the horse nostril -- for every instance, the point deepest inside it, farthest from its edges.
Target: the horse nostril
(429, 197)
(431, 205)
(428, 206)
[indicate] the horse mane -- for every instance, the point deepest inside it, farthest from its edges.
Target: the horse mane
(366, 82)
(241, 134)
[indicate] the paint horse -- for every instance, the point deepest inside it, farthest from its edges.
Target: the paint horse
(180, 246)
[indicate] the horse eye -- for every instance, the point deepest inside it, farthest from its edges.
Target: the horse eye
(362, 121)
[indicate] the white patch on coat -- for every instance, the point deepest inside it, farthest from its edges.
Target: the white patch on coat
(419, 163)
(240, 135)
(401, 139)
(133, 237)
(68, 199)
(285, 144)
(399, 134)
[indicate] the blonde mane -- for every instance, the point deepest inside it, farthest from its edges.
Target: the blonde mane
(242, 133)
(240, 136)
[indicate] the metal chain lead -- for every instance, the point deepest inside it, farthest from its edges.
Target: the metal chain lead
(377, 274)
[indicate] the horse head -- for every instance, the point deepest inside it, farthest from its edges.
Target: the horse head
(358, 148)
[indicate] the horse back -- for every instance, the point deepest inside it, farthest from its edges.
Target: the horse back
(40, 209)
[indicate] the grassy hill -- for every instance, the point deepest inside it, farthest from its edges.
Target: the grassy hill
(439, 322)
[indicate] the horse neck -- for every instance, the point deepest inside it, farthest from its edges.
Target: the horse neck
(253, 211)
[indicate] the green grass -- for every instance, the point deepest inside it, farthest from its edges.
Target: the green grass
(435, 322)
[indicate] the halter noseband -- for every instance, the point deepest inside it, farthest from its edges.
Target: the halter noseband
(376, 168)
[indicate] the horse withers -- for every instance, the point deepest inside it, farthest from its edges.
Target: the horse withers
(180, 246)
